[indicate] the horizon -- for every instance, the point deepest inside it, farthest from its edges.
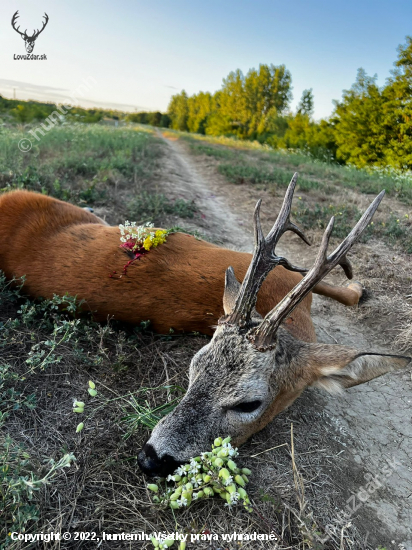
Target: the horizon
(140, 55)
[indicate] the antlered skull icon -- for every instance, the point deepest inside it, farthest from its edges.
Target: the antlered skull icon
(29, 40)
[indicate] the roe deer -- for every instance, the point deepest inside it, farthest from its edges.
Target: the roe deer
(61, 248)
(253, 368)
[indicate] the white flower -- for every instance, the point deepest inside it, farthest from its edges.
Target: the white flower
(180, 471)
(131, 231)
(194, 467)
(228, 480)
(170, 478)
(182, 501)
(193, 481)
(233, 452)
(234, 497)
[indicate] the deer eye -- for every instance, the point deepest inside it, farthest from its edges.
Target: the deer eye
(247, 406)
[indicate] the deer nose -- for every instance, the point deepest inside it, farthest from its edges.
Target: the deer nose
(151, 465)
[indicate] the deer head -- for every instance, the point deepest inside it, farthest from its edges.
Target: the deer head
(253, 368)
(28, 40)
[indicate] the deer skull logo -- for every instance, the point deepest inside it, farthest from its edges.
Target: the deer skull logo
(28, 40)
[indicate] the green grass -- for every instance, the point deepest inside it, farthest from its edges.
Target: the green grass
(144, 414)
(251, 164)
(21, 477)
(394, 230)
(38, 342)
(77, 163)
(251, 174)
(149, 206)
(246, 162)
(19, 485)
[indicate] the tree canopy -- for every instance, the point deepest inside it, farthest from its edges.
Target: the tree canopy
(370, 125)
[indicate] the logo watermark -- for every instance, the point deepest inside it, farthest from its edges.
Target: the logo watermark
(29, 40)
(360, 497)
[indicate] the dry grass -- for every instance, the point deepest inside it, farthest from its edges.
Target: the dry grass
(386, 275)
(104, 489)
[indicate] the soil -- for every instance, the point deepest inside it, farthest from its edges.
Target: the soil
(365, 433)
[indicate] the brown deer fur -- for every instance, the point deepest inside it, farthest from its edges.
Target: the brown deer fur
(61, 248)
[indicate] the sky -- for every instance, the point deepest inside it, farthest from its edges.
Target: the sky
(134, 54)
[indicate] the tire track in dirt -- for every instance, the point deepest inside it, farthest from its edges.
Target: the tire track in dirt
(371, 423)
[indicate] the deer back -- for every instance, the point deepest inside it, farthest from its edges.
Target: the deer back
(61, 248)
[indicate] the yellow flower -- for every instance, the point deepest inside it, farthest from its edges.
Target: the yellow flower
(159, 238)
(147, 243)
(141, 236)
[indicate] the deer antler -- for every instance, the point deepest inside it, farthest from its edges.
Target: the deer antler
(13, 24)
(264, 259)
(36, 34)
(263, 336)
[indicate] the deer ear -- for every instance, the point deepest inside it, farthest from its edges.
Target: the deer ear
(232, 287)
(347, 367)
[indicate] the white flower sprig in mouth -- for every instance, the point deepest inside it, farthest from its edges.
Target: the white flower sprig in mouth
(211, 473)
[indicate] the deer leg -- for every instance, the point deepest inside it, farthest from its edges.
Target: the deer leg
(348, 296)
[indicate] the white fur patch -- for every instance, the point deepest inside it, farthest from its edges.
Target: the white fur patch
(366, 367)
(330, 385)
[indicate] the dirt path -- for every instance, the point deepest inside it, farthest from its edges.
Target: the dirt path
(369, 429)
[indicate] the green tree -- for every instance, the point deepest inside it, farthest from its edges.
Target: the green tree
(178, 111)
(154, 118)
(358, 121)
(247, 102)
(397, 110)
(306, 104)
(199, 108)
(23, 113)
(266, 90)
(230, 106)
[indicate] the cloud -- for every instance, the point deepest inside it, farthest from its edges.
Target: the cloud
(27, 87)
(26, 90)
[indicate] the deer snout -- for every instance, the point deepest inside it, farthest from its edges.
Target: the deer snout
(152, 465)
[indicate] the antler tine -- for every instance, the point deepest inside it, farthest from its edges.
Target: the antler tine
(257, 226)
(36, 34)
(263, 336)
(13, 22)
(264, 259)
(283, 223)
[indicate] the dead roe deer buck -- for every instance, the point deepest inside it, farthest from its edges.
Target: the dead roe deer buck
(254, 367)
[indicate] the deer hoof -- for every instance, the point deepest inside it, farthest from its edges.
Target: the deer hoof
(359, 291)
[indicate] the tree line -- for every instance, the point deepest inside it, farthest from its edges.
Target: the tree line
(370, 125)
(25, 112)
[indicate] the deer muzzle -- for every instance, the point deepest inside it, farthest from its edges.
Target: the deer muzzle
(151, 465)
